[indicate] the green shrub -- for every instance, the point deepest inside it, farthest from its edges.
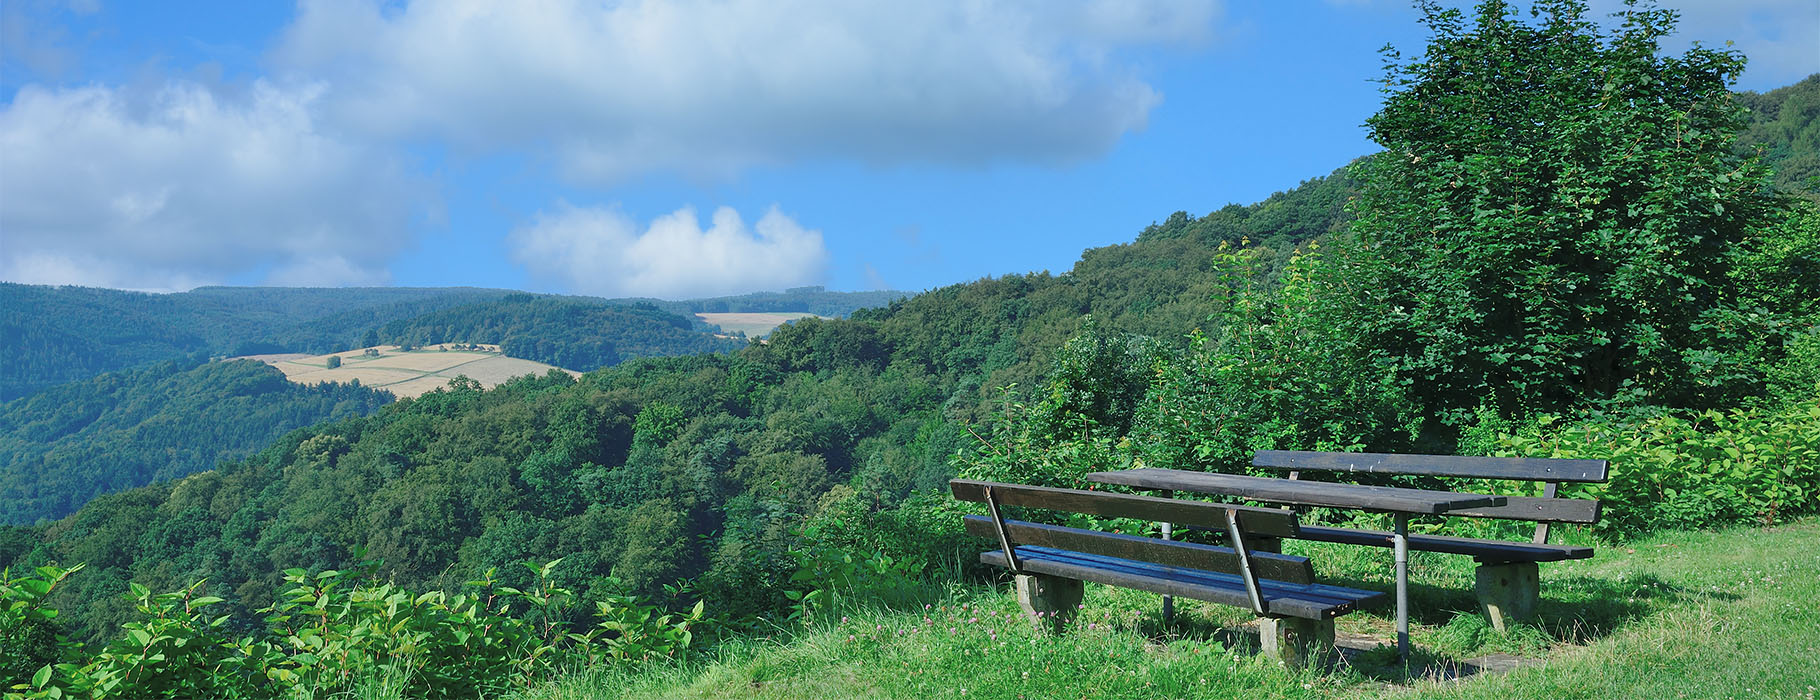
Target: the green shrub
(336, 632)
(1690, 470)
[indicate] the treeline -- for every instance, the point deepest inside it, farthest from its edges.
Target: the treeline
(815, 300)
(570, 333)
(63, 446)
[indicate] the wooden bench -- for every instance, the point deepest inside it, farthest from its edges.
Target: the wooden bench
(1506, 580)
(1051, 562)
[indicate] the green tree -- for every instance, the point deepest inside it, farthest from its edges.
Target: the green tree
(1552, 218)
(334, 362)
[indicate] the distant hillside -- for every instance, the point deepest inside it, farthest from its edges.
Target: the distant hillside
(52, 335)
(568, 332)
(64, 446)
(810, 300)
(1786, 122)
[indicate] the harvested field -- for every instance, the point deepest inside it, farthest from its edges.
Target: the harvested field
(753, 324)
(408, 374)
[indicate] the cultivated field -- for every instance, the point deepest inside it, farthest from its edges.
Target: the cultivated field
(753, 325)
(405, 374)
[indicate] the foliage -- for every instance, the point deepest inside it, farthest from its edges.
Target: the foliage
(1282, 375)
(1686, 470)
(68, 444)
(1553, 212)
(1785, 125)
(578, 334)
(336, 631)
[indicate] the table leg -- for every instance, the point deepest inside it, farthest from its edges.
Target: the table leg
(1400, 541)
(1168, 600)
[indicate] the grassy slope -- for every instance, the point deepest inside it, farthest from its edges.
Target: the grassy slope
(1694, 615)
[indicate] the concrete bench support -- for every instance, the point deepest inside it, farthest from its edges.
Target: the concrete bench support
(1049, 602)
(1508, 592)
(1296, 642)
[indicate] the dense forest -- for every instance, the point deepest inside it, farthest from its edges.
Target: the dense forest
(1501, 289)
(63, 446)
(569, 333)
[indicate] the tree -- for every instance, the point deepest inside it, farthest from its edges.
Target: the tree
(334, 362)
(1555, 209)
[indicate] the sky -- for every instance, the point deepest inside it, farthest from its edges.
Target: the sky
(682, 149)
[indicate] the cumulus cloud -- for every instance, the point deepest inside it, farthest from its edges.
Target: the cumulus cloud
(1779, 36)
(709, 87)
(601, 251)
(188, 185)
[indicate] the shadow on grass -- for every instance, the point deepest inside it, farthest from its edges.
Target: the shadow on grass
(1453, 639)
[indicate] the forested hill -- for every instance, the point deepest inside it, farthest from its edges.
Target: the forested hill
(53, 335)
(570, 333)
(65, 445)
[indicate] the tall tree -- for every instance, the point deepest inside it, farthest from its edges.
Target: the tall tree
(1554, 213)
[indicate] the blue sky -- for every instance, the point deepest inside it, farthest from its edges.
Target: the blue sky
(680, 149)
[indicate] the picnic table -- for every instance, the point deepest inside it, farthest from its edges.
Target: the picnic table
(1399, 502)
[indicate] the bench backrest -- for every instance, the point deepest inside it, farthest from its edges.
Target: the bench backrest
(1544, 510)
(1250, 520)
(1513, 468)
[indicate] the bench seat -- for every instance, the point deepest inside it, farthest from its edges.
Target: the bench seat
(1485, 551)
(1304, 600)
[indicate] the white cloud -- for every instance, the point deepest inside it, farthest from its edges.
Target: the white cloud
(1781, 37)
(189, 185)
(708, 87)
(600, 251)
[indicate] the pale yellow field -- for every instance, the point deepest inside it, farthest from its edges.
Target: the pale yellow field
(754, 324)
(406, 374)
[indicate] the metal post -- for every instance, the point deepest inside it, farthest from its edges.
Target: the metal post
(1400, 541)
(1168, 600)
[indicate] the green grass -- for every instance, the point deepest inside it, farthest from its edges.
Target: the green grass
(1694, 615)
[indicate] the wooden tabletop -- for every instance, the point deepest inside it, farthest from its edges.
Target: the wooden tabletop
(1295, 491)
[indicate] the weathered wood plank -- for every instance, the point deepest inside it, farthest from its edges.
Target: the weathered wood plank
(1281, 567)
(1517, 468)
(1314, 493)
(1547, 510)
(1263, 521)
(1483, 550)
(1312, 601)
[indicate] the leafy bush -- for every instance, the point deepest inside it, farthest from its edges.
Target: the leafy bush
(1687, 469)
(333, 632)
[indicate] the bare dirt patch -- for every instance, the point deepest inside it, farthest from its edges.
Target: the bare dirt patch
(753, 324)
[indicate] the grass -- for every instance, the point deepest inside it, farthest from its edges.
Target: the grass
(1678, 615)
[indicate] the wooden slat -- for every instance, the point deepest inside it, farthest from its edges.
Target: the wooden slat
(1312, 601)
(1314, 493)
(1268, 565)
(1491, 551)
(1263, 521)
(1517, 468)
(1546, 510)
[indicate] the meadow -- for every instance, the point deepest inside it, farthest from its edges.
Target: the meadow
(753, 325)
(1676, 615)
(409, 373)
